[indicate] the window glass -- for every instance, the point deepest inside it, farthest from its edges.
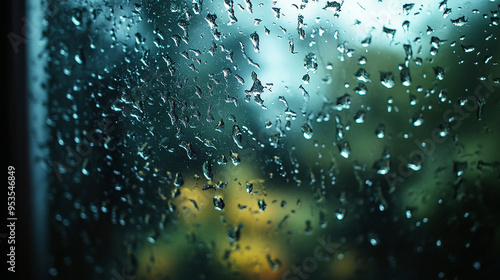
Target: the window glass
(273, 139)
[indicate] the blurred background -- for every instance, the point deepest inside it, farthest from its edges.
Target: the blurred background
(256, 140)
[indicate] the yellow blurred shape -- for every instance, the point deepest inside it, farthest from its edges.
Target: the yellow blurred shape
(159, 260)
(344, 266)
(253, 257)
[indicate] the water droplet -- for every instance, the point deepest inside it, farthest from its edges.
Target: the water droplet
(387, 79)
(79, 58)
(407, 8)
(306, 79)
(360, 116)
(468, 48)
(443, 96)
(235, 158)
(362, 60)
(417, 119)
(415, 163)
(461, 21)
(361, 89)
(459, 168)
(310, 62)
(380, 131)
(274, 264)
(218, 203)
(389, 32)
(333, 6)
(343, 102)
(189, 151)
(344, 149)
(383, 166)
(262, 204)
(307, 131)
(439, 71)
(254, 37)
(234, 233)
(77, 17)
(366, 42)
(495, 21)
(207, 170)
(237, 136)
(249, 187)
(340, 213)
(405, 76)
(178, 181)
(362, 75)
(406, 26)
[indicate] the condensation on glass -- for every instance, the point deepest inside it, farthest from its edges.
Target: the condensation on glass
(243, 139)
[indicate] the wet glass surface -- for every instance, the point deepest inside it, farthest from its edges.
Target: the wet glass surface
(273, 140)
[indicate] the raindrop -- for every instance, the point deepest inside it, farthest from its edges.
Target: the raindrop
(461, 21)
(387, 79)
(235, 158)
(254, 37)
(276, 12)
(405, 76)
(333, 6)
(218, 203)
(444, 129)
(380, 131)
(234, 234)
(417, 119)
(249, 187)
(307, 131)
(407, 8)
(207, 186)
(178, 180)
(459, 168)
(344, 149)
(77, 17)
(268, 124)
(362, 75)
(468, 48)
(237, 136)
(406, 26)
(408, 214)
(360, 116)
(415, 163)
(221, 184)
(343, 102)
(262, 204)
(442, 96)
(207, 170)
(362, 60)
(310, 62)
(439, 71)
(306, 79)
(361, 89)
(340, 213)
(79, 58)
(219, 126)
(383, 166)
(495, 21)
(366, 42)
(189, 152)
(481, 101)
(389, 32)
